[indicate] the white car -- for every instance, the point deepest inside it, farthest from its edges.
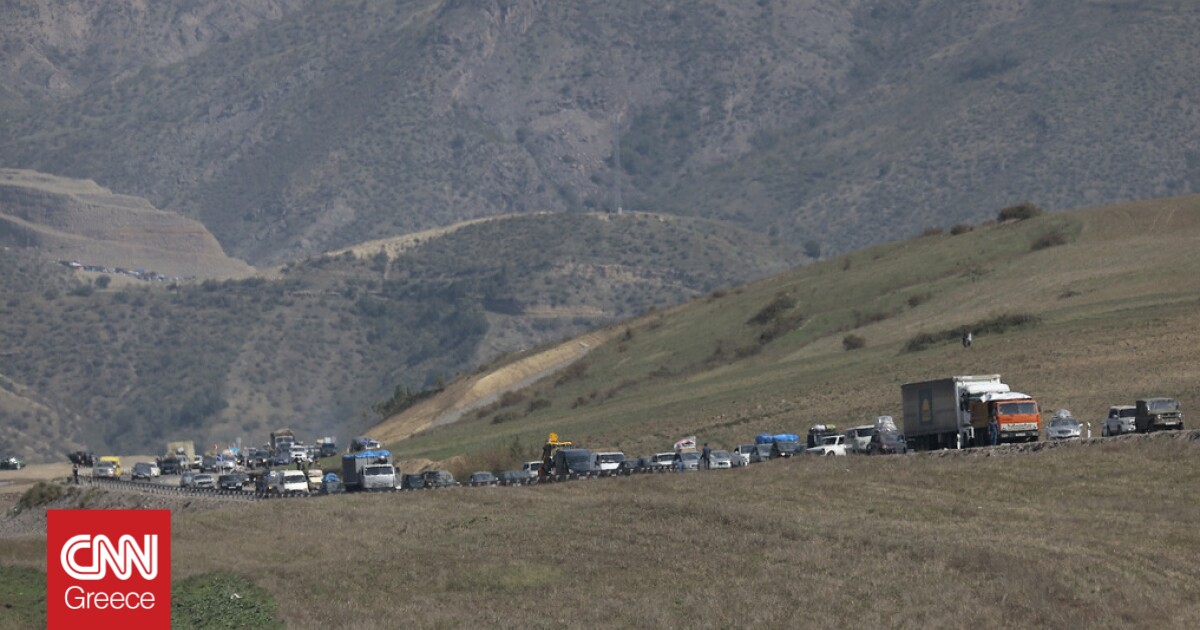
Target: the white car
(662, 460)
(743, 452)
(1063, 426)
(829, 445)
(1120, 421)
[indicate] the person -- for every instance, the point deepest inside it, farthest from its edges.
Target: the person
(994, 431)
(706, 456)
(75, 473)
(966, 339)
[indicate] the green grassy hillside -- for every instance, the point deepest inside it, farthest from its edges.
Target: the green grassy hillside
(1108, 314)
(128, 367)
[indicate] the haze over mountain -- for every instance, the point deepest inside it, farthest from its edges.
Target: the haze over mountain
(290, 128)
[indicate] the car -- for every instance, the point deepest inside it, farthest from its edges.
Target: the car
(760, 453)
(1063, 426)
(82, 458)
(233, 481)
(609, 460)
(412, 481)
(205, 480)
(104, 470)
(315, 479)
(631, 464)
(142, 470)
(12, 463)
(171, 466)
(887, 442)
(1121, 420)
(187, 479)
(332, 484)
(784, 448)
(742, 452)
(299, 453)
(513, 477)
(858, 439)
(439, 479)
(661, 460)
(688, 460)
(483, 478)
(720, 459)
(829, 445)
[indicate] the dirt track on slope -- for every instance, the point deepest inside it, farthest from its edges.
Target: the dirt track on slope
(476, 391)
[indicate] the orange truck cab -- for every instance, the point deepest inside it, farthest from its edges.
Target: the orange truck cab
(1017, 414)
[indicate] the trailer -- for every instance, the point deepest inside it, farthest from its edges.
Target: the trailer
(963, 411)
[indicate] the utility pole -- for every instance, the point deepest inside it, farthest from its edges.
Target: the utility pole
(616, 152)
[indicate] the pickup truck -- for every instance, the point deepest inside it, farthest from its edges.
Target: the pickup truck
(829, 445)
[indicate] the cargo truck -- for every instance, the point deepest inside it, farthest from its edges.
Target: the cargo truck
(956, 412)
(282, 440)
(368, 470)
(183, 452)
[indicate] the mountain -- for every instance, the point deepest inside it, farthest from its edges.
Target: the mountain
(315, 344)
(1082, 310)
(293, 128)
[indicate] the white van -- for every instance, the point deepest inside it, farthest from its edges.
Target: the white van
(609, 460)
(289, 481)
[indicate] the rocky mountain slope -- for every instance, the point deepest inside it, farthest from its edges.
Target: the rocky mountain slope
(291, 128)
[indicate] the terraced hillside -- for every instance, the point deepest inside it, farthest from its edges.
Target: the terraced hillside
(1081, 309)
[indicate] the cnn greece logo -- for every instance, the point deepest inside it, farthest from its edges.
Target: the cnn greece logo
(108, 568)
(123, 557)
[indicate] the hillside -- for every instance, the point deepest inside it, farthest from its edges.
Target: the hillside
(1110, 310)
(294, 128)
(320, 343)
(76, 220)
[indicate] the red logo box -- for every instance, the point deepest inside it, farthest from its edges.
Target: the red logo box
(108, 569)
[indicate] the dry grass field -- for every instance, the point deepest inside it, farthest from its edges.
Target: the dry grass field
(1094, 535)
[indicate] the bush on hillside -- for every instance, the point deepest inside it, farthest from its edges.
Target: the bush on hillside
(780, 305)
(995, 325)
(853, 342)
(1020, 212)
(1049, 239)
(961, 228)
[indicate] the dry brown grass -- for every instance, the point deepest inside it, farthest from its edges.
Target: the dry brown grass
(1095, 536)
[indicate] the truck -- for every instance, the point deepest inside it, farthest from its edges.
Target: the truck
(368, 470)
(282, 440)
(1157, 414)
(327, 446)
(955, 413)
(184, 452)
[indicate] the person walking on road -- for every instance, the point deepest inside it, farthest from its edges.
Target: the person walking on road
(706, 456)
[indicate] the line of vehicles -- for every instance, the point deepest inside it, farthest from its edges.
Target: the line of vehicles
(953, 412)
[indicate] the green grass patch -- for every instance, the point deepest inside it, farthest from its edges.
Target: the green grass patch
(221, 600)
(22, 598)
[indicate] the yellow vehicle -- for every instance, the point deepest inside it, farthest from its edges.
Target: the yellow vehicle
(548, 451)
(116, 462)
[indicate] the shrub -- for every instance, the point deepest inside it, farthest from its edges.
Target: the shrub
(507, 416)
(40, 494)
(853, 342)
(1020, 212)
(537, 404)
(103, 281)
(1049, 239)
(781, 304)
(918, 299)
(932, 231)
(995, 325)
(961, 228)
